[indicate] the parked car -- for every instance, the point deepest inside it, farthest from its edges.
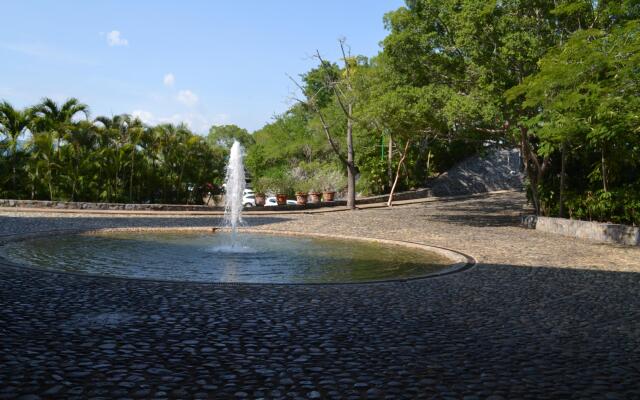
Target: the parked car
(271, 201)
(249, 200)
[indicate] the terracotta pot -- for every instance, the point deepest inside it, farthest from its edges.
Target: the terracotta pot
(314, 197)
(281, 199)
(328, 196)
(261, 199)
(301, 198)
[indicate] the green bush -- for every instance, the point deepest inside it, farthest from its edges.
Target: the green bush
(620, 205)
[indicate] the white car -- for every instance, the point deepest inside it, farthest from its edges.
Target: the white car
(271, 201)
(249, 199)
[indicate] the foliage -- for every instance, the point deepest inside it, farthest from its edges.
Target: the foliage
(620, 205)
(331, 180)
(559, 79)
(54, 152)
(280, 182)
(224, 135)
(585, 98)
(261, 185)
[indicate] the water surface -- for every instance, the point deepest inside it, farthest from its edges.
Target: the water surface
(212, 257)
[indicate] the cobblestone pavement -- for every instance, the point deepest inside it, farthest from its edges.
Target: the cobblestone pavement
(540, 316)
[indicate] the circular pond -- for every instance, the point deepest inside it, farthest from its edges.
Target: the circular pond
(217, 257)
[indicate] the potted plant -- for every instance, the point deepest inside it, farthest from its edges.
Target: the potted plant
(310, 186)
(282, 186)
(303, 191)
(314, 197)
(260, 187)
(328, 194)
(281, 199)
(332, 180)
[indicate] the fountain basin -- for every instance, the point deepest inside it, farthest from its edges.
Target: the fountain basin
(199, 255)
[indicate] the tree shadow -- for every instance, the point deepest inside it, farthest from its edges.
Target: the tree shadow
(487, 211)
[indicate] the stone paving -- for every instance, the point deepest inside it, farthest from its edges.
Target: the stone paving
(540, 316)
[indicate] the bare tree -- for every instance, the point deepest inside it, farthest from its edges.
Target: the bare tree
(342, 89)
(400, 164)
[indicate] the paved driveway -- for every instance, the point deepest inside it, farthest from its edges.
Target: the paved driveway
(540, 316)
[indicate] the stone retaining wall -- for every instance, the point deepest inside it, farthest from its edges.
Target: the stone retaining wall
(601, 232)
(76, 205)
(71, 205)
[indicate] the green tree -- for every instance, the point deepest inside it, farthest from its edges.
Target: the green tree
(14, 123)
(585, 98)
(323, 83)
(58, 119)
(224, 135)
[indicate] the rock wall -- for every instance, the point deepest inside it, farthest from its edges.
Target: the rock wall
(78, 205)
(597, 231)
(498, 169)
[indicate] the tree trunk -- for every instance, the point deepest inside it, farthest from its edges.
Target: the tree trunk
(530, 160)
(395, 182)
(131, 176)
(13, 179)
(390, 162)
(75, 180)
(49, 184)
(351, 173)
(604, 172)
(13, 166)
(562, 170)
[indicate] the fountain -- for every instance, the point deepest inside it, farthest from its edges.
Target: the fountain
(234, 189)
(186, 255)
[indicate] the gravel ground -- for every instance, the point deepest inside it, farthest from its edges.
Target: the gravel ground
(540, 316)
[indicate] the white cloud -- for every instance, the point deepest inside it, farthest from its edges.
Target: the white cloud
(199, 123)
(188, 98)
(195, 121)
(169, 79)
(145, 116)
(114, 39)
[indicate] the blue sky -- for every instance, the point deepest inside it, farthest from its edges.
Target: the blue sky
(202, 62)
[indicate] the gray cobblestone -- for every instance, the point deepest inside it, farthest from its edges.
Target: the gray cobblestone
(540, 316)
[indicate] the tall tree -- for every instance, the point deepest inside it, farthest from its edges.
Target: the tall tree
(14, 123)
(224, 135)
(56, 118)
(328, 82)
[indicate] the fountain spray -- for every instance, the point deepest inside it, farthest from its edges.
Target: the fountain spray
(234, 188)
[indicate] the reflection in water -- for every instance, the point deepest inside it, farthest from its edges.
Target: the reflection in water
(206, 257)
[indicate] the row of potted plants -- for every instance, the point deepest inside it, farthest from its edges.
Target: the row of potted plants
(302, 198)
(307, 189)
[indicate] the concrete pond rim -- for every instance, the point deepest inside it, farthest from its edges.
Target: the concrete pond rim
(461, 262)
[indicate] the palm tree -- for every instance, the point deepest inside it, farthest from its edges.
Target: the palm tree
(13, 124)
(112, 139)
(124, 133)
(151, 148)
(135, 129)
(82, 141)
(42, 163)
(58, 119)
(167, 140)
